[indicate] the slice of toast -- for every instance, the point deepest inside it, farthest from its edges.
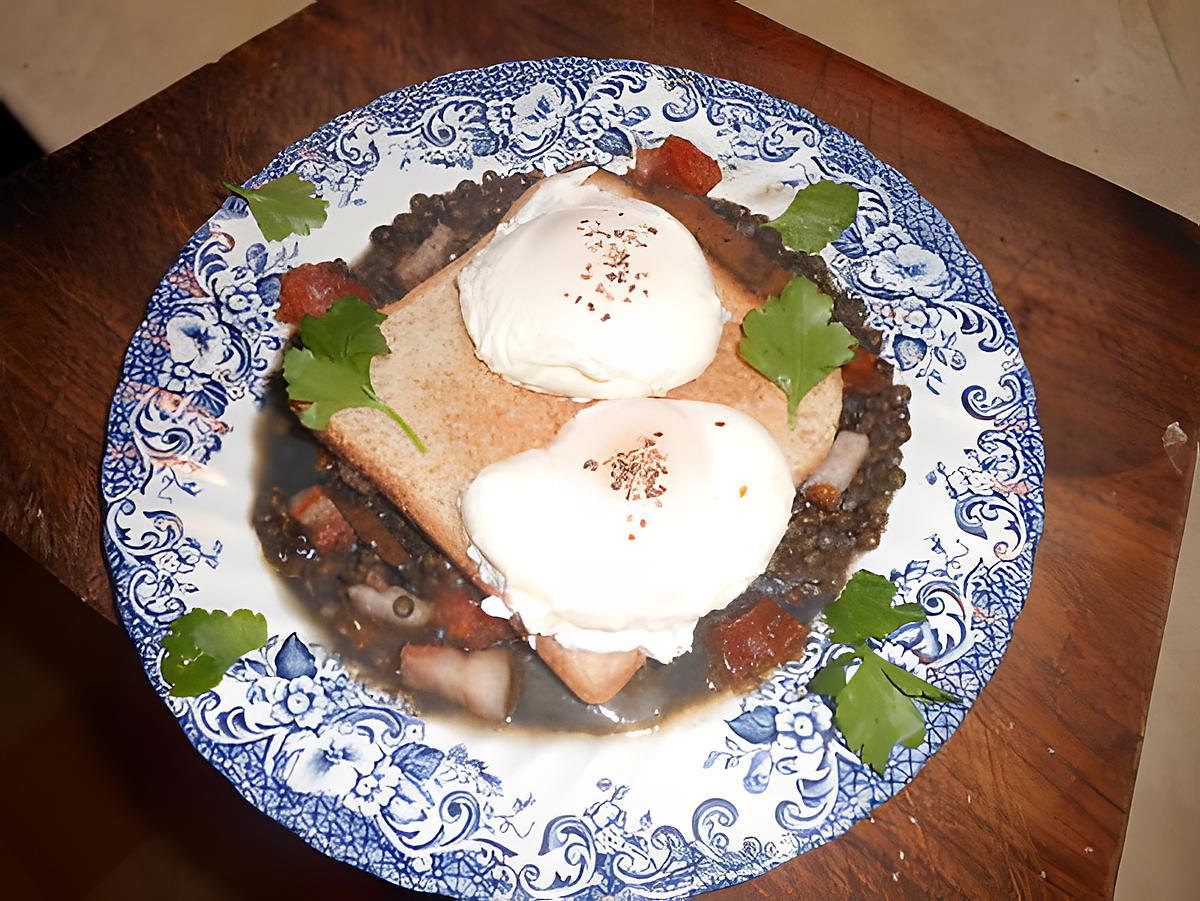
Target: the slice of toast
(469, 417)
(593, 677)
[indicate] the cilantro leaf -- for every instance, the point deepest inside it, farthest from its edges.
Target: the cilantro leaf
(818, 214)
(864, 610)
(831, 678)
(203, 644)
(333, 370)
(876, 708)
(914, 686)
(345, 331)
(792, 342)
(874, 716)
(327, 385)
(284, 206)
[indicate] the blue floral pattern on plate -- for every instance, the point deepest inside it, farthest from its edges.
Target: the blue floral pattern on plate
(765, 777)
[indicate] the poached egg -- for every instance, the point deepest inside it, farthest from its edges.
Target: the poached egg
(639, 518)
(588, 294)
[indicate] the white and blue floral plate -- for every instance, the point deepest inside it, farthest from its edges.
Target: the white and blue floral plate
(719, 797)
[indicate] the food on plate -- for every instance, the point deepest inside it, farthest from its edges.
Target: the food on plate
(639, 518)
(589, 293)
(824, 487)
(314, 288)
(876, 706)
(742, 645)
(717, 585)
(332, 370)
(201, 645)
(816, 216)
(322, 521)
(676, 163)
(470, 418)
(284, 206)
(791, 341)
(594, 677)
(480, 682)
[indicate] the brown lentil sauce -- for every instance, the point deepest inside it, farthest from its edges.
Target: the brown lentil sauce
(806, 572)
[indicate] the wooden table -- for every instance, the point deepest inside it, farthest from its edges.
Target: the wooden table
(1032, 796)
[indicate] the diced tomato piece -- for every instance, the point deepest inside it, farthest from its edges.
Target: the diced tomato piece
(463, 622)
(865, 374)
(312, 288)
(677, 163)
(322, 522)
(749, 644)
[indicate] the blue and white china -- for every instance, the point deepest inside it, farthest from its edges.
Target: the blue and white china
(716, 797)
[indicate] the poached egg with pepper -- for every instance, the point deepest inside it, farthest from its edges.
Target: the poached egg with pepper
(639, 518)
(588, 294)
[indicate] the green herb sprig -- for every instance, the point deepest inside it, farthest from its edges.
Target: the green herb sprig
(284, 206)
(792, 341)
(877, 707)
(332, 371)
(817, 215)
(202, 644)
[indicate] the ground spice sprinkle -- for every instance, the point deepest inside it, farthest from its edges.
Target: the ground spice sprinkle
(612, 247)
(638, 471)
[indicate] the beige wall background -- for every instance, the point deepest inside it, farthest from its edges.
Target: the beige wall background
(68, 66)
(1112, 86)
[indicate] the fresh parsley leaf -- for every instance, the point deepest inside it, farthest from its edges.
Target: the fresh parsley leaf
(333, 370)
(831, 678)
(284, 206)
(876, 708)
(874, 716)
(818, 214)
(203, 644)
(327, 385)
(345, 331)
(792, 342)
(864, 610)
(915, 687)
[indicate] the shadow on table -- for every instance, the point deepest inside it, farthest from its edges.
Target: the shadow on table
(103, 795)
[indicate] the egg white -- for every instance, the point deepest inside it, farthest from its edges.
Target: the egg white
(610, 543)
(587, 294)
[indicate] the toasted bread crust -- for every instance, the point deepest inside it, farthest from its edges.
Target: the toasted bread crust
(595, 678)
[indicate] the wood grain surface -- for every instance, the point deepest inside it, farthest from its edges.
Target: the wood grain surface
(1031, 797)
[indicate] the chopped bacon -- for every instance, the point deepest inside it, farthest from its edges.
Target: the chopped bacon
(676, 163)
(368, 527)
(312, 288)
(327, 530)
(429, 256)
(463, 622)
(745, 259)
(865, 374)
(747, 645)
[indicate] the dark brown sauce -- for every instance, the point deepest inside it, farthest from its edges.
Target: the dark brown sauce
(806, 572)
